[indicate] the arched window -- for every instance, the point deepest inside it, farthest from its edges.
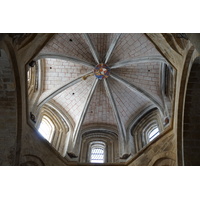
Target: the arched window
(97, 152)
(153, 134)
(53, 127)
(97, 143)
(150, 131)
(46, 128)
(146, 129)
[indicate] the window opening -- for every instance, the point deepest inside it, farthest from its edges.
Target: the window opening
(153, 134)
(46, 128)
(29, 75)
(97, 154)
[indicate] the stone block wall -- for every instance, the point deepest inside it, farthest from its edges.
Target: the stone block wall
(8, 112)
(37, 151)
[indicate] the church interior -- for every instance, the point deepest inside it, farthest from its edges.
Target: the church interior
(99, 99)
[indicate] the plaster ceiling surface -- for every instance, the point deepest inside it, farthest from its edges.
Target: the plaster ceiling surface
(135, 66)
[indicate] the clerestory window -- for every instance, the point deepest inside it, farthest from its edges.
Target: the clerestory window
(153, 134)
(97, 153)
(146, 129)
(46, 128)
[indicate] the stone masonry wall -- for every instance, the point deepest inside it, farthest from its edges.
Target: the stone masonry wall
(160, 151)
(8, 112)
(38, 151)
(191, 136)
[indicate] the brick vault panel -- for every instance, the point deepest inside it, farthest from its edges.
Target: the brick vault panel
(128, 103)
(144, 75)
(99, 111)
(102, 42)
(69, 44)
(131, 46)
(57, 72)
(73, 99)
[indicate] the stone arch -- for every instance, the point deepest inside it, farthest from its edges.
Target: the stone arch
(61, 133)
(164, 162)
(109, 138)
(190, 57)
(31, 160)
(191, 126)
(163, 159)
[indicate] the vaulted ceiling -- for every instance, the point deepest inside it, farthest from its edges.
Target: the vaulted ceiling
(133, 85)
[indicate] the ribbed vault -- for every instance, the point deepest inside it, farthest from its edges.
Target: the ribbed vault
(133, 85)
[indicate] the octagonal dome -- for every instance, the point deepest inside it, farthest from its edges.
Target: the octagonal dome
(95, 88)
